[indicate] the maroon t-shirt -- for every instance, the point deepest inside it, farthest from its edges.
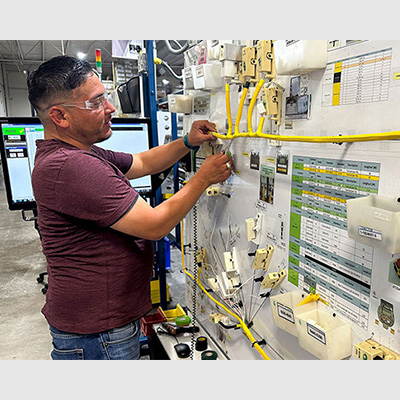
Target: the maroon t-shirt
(99, 278)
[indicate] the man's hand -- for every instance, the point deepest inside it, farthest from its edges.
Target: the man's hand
(216, 168)
(200, 132)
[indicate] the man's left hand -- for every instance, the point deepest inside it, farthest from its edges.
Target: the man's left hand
(201, 132)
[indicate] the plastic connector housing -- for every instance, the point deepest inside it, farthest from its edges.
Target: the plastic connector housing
(201, 256)
(250, 232)
(213, 284)
(262, 258)
(215, 318)
(211, 148)
(229, 69)
(212, 191)
(249, 61)
(259, 259)
(253, 227)
(264, 56)
(228, 262)
(273, 279)
(372, 350)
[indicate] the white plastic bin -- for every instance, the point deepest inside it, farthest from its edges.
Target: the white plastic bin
(375, 220)
(324, 335)
(294, 57)
(284, 310)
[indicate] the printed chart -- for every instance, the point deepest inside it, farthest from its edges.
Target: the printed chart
(322, 257)
(360, 79)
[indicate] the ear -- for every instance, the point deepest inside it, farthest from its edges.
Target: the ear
(57, 115)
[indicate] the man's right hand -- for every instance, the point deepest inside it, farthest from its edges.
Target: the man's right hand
(216, 168)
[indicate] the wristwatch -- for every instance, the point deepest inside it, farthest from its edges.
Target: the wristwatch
(188, 145)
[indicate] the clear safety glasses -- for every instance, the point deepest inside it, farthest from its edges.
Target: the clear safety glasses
(94, 104)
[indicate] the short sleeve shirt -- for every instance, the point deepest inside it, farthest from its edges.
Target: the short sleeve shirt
(99, 278)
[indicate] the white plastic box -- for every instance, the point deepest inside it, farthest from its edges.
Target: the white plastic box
(294, 57)
(375, 220)
(180, 103)
(324, 335)
(285, 308)
(208, 76)
(188, 81)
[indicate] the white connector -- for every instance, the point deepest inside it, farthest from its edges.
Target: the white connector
(213, 284)
(250, 232)
(217, 317)
(229, 69)
(212, 191)
(211, 148)
(229, 280)
(231, 261)
(273, 279)
(262, 258)
(253, 227)
(228, 262)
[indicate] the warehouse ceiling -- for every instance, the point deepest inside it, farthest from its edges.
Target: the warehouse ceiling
(26, 55)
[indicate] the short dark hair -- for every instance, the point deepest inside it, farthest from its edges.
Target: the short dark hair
(56, 77)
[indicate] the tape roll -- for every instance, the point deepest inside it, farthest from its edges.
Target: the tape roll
(182, 320)
(201, 343)
(209, 355)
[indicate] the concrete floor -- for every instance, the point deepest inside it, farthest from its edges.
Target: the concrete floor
(24, 331)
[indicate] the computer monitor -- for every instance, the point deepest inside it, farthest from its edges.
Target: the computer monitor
(18, 148)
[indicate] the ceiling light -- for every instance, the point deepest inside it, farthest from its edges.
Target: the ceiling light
(81, 55)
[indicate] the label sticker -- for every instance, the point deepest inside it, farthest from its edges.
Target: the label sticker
(285, 312)
(370, 233)
(316, 333)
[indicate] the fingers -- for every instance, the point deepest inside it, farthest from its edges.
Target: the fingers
(205, 126)
(224, 162)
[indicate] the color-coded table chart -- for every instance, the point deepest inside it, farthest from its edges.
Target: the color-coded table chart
(322, 257)
(360, 79)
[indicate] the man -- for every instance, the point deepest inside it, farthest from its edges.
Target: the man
(96, 230)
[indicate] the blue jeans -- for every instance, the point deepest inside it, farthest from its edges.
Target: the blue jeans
(116, 344)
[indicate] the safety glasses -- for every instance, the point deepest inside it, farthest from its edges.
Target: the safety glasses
(94, 104)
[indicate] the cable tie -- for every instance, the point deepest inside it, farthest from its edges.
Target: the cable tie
(259, 342)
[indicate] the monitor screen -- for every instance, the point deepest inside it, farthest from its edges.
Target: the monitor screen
(17, 149)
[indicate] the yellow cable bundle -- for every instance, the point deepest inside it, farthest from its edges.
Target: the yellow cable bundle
(241, 322)
(369, 137)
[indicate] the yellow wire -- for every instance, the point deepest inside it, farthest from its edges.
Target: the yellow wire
(251, 107)
(241, 322)
(240, 110)
(228, 108)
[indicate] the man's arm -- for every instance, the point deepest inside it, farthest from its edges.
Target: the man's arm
(162, 157)
(147, 222)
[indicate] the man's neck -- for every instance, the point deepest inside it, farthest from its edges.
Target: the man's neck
(51, 134)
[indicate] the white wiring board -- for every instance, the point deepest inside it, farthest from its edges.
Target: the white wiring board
(296, 194)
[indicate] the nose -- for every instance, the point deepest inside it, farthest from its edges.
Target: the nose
(108, 107)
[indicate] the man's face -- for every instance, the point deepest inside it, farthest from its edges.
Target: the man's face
(94, 125)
